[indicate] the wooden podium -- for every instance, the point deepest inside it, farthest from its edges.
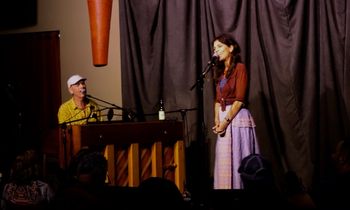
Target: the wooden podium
(134, 150)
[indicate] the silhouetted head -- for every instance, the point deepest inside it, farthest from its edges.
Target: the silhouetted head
(341, 157)
(160, 193)
(256, 173)
(89, 167)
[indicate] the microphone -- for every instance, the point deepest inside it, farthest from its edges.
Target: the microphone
(128, 113)
(131, 114)
(214, 60)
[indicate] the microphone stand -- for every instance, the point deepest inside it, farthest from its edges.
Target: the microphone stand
(202, 76)
(183, 113)
(202, 162)
(130, 114)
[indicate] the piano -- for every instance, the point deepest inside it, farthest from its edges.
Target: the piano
(134, 150)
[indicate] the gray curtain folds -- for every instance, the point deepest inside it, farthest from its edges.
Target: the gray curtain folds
(296, 52)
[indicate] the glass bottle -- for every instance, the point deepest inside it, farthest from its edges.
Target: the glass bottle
(161, 111)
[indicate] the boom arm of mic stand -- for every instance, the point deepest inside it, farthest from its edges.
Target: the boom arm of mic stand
(202, 76)
(118, 107)
(130, 114)
(64, 124)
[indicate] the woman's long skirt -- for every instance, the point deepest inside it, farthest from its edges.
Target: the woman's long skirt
(238, 142)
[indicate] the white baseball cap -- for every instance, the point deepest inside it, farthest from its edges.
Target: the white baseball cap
(74, 79)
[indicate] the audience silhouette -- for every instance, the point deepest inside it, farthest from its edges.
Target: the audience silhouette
(333, 193)
(25, 188)
(259, 184)
(160, 193)
(296, 193)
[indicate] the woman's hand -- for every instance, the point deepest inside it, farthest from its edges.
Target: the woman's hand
(217, 124)
(220, 128)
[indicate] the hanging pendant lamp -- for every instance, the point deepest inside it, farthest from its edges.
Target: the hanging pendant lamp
(100, 17)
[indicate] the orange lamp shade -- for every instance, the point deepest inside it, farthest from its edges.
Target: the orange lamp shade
(100, 17)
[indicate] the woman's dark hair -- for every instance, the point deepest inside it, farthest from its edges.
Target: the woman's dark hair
(236, 58)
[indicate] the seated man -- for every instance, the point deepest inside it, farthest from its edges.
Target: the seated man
(79, 109)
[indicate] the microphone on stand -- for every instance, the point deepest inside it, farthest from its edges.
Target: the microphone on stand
(130, 114)
(214, 60)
